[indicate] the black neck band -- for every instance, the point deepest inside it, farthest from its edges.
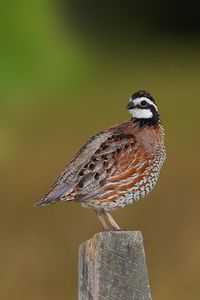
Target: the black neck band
(147, 122)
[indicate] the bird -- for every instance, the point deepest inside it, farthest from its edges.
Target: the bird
(116, 167)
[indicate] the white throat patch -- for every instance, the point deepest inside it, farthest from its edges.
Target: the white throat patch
(139, 113)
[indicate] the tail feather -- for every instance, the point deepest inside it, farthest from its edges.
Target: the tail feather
(56, 195)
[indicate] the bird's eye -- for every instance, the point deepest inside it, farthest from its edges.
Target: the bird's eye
(143, 103)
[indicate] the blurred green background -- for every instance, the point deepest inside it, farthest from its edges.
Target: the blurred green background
(67, 70)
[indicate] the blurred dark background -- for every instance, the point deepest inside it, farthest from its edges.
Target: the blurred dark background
(67, 70)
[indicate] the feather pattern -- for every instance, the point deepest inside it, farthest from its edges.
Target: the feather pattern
(111, 165)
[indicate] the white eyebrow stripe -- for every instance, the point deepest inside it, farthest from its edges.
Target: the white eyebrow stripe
(138, 101)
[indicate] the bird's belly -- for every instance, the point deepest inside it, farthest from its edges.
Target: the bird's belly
(138, 191)
(129, 196)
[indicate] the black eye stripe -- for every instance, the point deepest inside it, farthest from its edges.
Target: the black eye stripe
(143, 103)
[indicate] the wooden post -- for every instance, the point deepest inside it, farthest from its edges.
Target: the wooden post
(112, 266)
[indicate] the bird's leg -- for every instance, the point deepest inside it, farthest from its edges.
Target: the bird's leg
(112, 221)
(101, 216)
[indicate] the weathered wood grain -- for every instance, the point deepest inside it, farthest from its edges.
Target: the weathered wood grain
(112, 266)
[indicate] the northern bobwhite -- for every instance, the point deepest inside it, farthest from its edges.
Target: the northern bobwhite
(116, 167)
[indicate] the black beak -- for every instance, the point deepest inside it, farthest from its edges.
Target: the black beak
(130, 106)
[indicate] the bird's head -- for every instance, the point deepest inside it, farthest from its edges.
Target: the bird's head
(143, 109)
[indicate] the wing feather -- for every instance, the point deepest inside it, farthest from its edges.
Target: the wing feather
(126, 162)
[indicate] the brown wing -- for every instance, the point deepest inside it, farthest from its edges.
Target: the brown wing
(117, 166)
(109, 164)
(68, 179)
